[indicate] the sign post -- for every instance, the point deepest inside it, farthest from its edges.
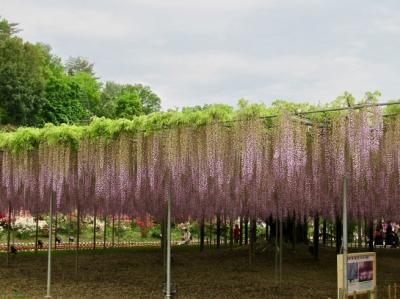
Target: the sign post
(48, 294)
(361, 274)
(168, 286)
(345, 292)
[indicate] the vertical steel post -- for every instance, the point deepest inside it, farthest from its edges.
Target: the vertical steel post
(280, 253)
(276, 251)
(345, 293)
(168, 286)
(48, 295)
(8, 233)
(36, 231)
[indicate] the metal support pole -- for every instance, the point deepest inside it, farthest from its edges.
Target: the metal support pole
(280, 253)
(48, 295)
(36, 231)
(276, 251)
(105, 232)
(168, 286)
(345, 293)
(8, 233)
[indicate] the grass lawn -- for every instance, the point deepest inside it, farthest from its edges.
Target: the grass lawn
(138, 273)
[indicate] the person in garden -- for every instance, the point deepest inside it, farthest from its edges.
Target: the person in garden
(378, 234)
(187, 236)
(389, 235)
(236, 233)
(13, 250)
(40, 244)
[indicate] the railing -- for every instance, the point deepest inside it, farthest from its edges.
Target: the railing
(393, 290)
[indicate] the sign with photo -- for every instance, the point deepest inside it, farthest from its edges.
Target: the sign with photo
(361, 273)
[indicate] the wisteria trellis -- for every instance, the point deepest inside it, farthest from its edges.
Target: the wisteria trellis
(243, 168)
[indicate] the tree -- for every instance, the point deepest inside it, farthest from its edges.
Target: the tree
(128, 105)
(89, 91)
(22, 82)
(75, 65)
(150, 101)
(63, 103)
(108, 99)
(112, 91)
(7, 29)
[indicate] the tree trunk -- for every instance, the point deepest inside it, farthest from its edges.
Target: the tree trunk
(118, 228)
(202, 234)
(253, 230)
(252, 240)
(266, 230)
(113, 231)
(36, 232)
(371, 236)
(231, 233)
(218, 230)
(210, 232)
(55, 232)
(287, 230)
(305, 231)
(294, 234)
(94, 230)
(225, 232)
(359, 233)
(272, 231)
(105, 232)
(69, 230)
(241, 231)
(338, 234)
(246, 231)
(324, 233)
(316, 237)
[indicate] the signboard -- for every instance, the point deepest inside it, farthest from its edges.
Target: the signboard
(361, 273)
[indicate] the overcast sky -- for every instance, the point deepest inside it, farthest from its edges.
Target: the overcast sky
(197, 52)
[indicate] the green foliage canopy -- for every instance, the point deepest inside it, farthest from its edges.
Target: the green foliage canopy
(22, 82)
